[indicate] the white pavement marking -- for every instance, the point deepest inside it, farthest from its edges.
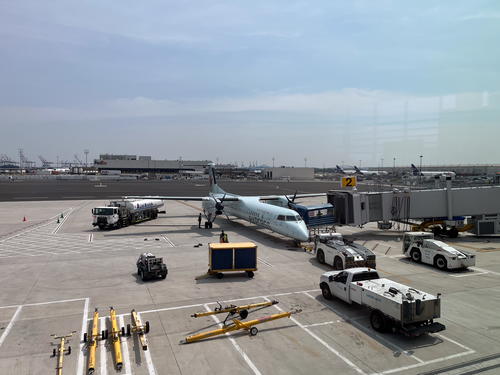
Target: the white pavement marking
(91, 237)
(321, 324)
(168, 241)
(264, 262)
(9, 326)
(236, 346)
(147, 355)
(321, 341)
(425, 363)
(44, 303)
(79, 368)
(102, 344)
(484, 270)
(454, 342)
(471, 274)
(126, 355)
(362, 328)
(63, 221)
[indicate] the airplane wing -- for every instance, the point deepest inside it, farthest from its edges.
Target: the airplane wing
(290, 196)
(170, 198)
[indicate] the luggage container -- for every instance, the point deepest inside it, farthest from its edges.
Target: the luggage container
(229, 257)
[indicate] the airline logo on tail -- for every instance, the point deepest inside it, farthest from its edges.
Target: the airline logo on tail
(212, 181)
(338, 169)
(357, 170)
(415, 170)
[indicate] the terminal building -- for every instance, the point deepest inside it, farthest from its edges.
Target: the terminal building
(145, 164)
(288, 173)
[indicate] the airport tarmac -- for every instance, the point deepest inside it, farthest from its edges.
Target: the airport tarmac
(40, 190)
(53, 274)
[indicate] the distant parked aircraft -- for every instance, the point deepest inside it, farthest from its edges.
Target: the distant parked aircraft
(431, 174)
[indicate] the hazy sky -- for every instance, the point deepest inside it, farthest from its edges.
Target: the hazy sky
(329, 80)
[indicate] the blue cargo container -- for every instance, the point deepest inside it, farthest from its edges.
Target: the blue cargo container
(228, 257)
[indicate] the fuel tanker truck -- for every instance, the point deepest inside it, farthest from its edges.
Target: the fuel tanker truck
(122, 213)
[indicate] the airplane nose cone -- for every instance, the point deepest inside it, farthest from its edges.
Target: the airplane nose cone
(302, 233)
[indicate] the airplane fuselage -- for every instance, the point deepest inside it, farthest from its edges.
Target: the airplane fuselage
(275, 218)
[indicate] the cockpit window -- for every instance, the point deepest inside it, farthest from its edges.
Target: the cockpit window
(281, 217)
(298, 218)
(290, 218)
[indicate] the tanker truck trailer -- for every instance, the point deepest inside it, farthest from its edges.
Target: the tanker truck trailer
(122, 213)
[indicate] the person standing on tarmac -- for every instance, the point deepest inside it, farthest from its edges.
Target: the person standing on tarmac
(199, 220)
(223, 237)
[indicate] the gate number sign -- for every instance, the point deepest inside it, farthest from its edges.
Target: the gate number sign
(348, 181)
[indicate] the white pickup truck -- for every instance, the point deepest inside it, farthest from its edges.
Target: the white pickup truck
(333, 249)
(394, 306)
(422, 247)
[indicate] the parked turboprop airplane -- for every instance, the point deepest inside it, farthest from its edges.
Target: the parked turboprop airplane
(431, 174)
(341, 170)
(254, 209)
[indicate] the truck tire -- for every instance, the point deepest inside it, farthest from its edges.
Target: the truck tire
(146, 327)
(220, 275)
(453, 233)
(338, 264)
(378, 321)
(416, 255)
(143, 276)
(163, 275)
(101, 227)
(85, 337)
(440, 262)
(320, 256)
(325, 291)
(250, 274)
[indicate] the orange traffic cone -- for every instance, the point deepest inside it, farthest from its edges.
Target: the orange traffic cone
(24, 219)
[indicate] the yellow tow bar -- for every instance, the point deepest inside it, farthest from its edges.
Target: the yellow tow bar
(115, 339)
(237, 325)
(139, 329)
(91, 341)
(60, 351)
(233, 310)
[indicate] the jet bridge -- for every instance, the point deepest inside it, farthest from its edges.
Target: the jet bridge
(481, 204)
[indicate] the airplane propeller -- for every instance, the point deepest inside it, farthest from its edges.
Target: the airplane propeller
(290, 201)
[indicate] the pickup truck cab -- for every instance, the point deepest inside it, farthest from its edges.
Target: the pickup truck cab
(422, 247)
(393, 306)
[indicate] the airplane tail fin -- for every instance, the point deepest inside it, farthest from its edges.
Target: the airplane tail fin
(415, 170)
(339, 169)
(357, 170)
(212, 180)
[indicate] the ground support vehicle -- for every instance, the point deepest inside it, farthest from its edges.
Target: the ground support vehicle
(151, 267)
(122, 213)
(422, 247)
(394, 307)
(232, 256)
(333, 249)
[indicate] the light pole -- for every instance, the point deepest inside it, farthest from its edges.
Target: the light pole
(394, 166)
(273, 161)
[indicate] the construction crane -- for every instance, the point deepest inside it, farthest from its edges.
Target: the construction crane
(45, 162)
(7, 162)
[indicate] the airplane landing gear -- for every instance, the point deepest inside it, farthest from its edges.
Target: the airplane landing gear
(208, 224)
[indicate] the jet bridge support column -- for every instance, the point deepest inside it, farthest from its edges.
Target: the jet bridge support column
(449, 199)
